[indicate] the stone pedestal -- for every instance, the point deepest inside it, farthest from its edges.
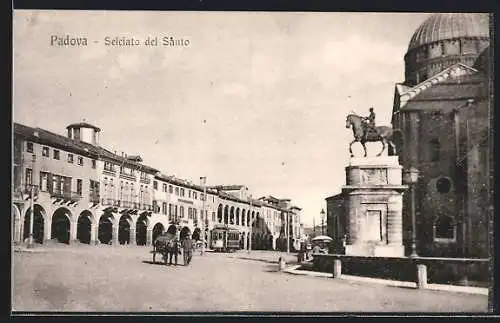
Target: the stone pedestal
(374, 206)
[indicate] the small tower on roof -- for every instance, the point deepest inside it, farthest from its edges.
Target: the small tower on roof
(85, 132)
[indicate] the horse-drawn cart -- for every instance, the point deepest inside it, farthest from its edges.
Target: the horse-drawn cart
(162, 245)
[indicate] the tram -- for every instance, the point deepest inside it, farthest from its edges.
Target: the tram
(225, 239)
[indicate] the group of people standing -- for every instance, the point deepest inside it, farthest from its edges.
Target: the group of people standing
(174, 249)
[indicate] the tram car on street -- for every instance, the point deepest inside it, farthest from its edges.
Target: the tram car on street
(225, 239)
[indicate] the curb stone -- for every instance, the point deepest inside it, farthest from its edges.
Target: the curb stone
(437, 287)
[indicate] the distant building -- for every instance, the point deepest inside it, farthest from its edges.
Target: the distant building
(336, 219)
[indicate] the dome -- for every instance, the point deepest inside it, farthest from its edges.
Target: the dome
(442, 26)
(442, 40)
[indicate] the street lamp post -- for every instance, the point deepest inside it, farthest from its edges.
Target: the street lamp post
(287, 232)
(32, 197)
(411, 178)
(322, 214)
(203, 213)
(251, 224)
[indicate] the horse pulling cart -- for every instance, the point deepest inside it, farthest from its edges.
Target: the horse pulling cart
(162, 245)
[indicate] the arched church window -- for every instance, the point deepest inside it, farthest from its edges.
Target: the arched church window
(444, 229)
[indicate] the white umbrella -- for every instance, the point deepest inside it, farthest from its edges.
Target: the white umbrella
(322, 238)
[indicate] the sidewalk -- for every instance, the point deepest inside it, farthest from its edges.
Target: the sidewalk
(26, 249)
(266, 256)
(449, 288)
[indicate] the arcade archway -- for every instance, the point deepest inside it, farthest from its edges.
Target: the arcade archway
(16, 224)
(158, 230)
(38, 224)
(184, 233)
(141, 229)
(219, 213)
(226, 214)
(196, 234)
(124, 225)
(105, 230)
(60, 229)
(172, 229)
(231, 215)
(84, 227)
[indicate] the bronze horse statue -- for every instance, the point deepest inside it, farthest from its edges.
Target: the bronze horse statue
(380, 133)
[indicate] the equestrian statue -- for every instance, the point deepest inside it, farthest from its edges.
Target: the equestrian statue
(364, 131)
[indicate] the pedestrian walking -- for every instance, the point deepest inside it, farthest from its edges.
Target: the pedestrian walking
(187, 250)
(173, 250)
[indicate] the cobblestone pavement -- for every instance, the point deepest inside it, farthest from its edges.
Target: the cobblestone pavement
(115, 279)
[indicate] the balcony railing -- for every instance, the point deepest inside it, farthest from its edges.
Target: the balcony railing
(127, 176)
(27, 189)
(109, 171)
(127, 204)
(94, 198)
(145, 180)
(107, 201)
(146, 207)
(17, 194)
(65, 195)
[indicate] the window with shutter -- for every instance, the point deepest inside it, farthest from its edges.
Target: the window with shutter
(67, 185)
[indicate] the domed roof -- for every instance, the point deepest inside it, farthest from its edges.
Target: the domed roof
(441, 26)
(482, 62)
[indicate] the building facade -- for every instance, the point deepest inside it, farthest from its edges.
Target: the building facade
(83, 192)
(442, 127)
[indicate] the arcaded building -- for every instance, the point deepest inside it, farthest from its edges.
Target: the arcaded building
(84, 192)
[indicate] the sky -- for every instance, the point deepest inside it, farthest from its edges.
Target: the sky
(256, 98)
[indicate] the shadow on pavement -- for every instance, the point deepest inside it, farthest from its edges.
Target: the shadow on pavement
(160, 263)
(153, 263)
(272, 269)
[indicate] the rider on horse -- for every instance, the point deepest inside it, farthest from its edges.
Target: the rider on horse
(369, 123)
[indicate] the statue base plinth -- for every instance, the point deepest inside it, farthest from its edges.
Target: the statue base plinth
(370, 250)
(374, 161)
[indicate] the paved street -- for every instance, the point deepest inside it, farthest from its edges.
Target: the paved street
(104, 278)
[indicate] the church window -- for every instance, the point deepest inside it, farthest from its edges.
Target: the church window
(444, 229)
(434, 149)
(443, 185)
